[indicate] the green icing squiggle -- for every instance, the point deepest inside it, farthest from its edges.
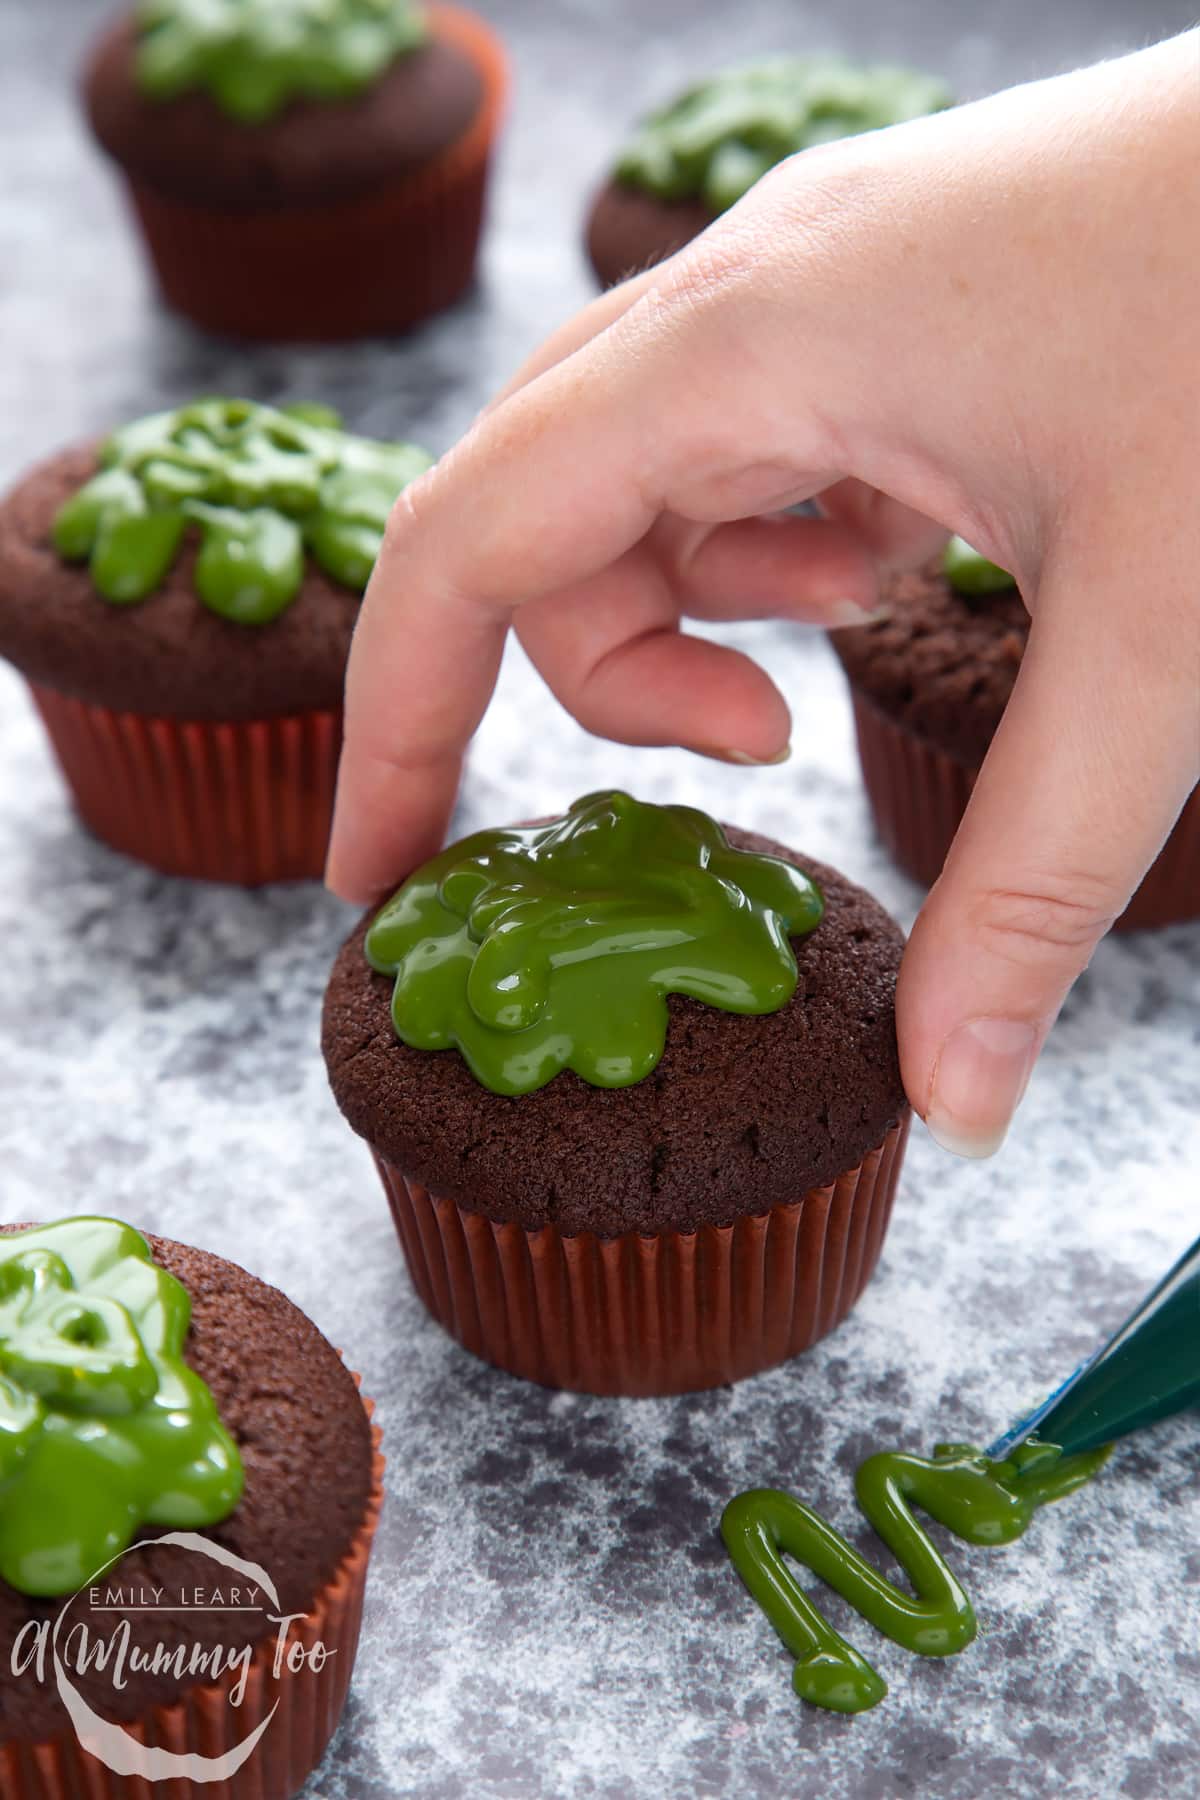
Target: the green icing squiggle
(979, 1500)
(969, 572)
(546, 947)
(723, 135)
(261, 484)
(103, 1426)
(253, 56)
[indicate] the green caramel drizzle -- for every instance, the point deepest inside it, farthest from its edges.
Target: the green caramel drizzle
(545, 947)
(261, 485)
(980, 1501)
(970, 573)
(103, 1426)
(254, 56)
(720, 137)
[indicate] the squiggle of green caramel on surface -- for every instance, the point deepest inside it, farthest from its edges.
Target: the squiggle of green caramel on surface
(254, 56)
(981, 1501)
(103, 1425)
(724, 134)
(539, 948)
(262, 485)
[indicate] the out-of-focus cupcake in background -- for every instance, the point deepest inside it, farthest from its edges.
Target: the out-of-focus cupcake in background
(181, 600)
(693, 159)
(302, 172)
(929, 684)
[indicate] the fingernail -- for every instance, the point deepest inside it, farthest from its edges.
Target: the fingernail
(848, 612)
(745, 759)
(978, 1082)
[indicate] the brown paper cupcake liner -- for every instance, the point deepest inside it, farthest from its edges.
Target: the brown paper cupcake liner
(246, 802)
(662, 1314)
(919, 793)
(355, 267)
(203, 1722)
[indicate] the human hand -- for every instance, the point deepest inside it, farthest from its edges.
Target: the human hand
(989, 319)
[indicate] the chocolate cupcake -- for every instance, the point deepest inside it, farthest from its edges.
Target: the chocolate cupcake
(301, 171)
(693, 159)
(189, 1487)
(181, 601)
(631, 1082)
(929, 684)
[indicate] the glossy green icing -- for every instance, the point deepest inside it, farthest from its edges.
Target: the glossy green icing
(719, 138)
(103, 1426)
(253, 56)
(262, 485)
(970, 573)
(544, 947)
(979, 1500)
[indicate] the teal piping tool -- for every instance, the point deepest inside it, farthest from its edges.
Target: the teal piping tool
(1147, 1370)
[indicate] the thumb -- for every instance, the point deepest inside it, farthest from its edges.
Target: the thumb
(1094, 758)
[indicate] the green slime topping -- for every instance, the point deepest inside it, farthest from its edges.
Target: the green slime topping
(719, 138)
(546, 947)
(970, 573)
(260, 484)
(980, 1501)
(103, 1427)
(253, 56)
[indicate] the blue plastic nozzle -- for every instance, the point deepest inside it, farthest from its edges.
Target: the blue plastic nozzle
(1148, 1370)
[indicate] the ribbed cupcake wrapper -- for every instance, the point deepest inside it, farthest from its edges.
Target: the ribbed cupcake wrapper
(919, 794)
(359, 266)
(1170, 890)
(660, 1314)
(204, 1722)
(246, 802)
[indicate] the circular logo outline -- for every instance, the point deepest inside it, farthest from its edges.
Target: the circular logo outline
(110, 1744)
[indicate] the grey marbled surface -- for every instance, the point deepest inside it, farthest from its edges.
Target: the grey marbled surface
(551, 1613)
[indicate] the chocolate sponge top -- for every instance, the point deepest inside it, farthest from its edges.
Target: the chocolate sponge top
(170, 655)
(942, 663)
(741, 1113)
(629, 230)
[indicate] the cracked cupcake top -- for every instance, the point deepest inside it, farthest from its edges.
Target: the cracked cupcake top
(253, 56)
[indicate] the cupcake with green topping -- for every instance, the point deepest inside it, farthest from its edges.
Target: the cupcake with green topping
(631, 1081)
(189, 1488)
(929, 684)
(302, 170)
(691, 160)
(181, 600)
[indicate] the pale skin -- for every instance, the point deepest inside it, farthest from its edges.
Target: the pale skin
(987, 322)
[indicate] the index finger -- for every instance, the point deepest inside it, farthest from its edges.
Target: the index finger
(551, 487)
(504, 517)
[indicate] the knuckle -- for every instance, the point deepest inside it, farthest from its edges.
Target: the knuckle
(405, 516)
(736, 255)
(813, 199)
(1051, 916)
(704, 271)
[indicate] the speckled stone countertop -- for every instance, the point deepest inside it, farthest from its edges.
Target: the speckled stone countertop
(551, 1612)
